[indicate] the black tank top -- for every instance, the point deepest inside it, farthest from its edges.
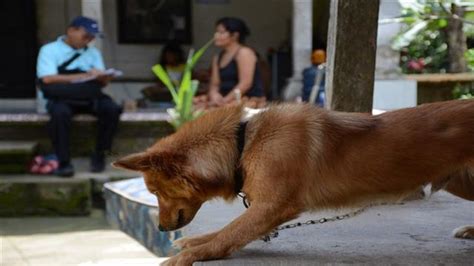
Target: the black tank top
(229, 77)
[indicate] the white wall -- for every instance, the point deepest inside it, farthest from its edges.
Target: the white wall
(268, 21)
(53, 16)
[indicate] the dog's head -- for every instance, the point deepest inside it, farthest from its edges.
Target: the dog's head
(191, 166)
(175, 186)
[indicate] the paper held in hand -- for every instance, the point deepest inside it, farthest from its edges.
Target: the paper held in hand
(109, 72)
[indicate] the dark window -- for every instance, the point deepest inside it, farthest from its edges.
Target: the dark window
(154, 21)
(18, 49)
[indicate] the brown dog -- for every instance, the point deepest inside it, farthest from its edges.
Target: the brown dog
(299, 158)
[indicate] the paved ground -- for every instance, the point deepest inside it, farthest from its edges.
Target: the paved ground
(416, 233)
(68, 241)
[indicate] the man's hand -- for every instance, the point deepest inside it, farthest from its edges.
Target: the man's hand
(95, 72)
(100, 76)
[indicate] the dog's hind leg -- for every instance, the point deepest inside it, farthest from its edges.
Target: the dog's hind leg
(466, 232)
(462, 185)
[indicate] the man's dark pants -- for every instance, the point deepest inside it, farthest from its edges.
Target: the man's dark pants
(61, 112)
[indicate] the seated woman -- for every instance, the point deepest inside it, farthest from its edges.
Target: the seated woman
(172, 59)
(235, 76)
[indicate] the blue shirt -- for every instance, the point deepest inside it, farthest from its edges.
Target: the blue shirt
(53, 54)
(309, 77)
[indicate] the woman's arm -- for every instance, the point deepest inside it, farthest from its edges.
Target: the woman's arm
(215, 97)
(246, 62)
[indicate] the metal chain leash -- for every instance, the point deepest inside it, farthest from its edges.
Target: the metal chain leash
(275, 232)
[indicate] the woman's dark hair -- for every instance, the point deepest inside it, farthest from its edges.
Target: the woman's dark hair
(173, 48)
(233, 25)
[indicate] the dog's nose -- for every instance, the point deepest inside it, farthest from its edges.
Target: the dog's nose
(161, 228)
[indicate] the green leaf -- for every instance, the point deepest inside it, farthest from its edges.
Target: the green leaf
(402, 19)
(188, 98)
(404, 39)
(187, 106)
(163, 76)
(185, 81)
(442, 23)
(194, 86)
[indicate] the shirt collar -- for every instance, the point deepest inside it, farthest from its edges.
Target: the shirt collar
(61, 41)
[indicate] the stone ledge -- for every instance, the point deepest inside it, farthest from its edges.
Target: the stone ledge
(136, 131)
(44, 195)
(442, 78)
(125, 117)
(42, 186)
(16, 155)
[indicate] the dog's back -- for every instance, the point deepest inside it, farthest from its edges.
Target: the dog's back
(344, 158)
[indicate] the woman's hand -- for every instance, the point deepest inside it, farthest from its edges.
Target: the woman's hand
(216, 99)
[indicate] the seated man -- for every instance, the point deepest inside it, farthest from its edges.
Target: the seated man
(71, 76)
(310, 76)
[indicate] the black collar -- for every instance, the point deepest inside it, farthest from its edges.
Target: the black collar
(238, 175)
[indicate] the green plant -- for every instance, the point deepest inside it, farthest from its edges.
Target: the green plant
(183, 96)
(470, 59)
(463, 92)
(423, 41)
(427, 53)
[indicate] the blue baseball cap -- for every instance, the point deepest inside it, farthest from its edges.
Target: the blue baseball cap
(90, 25)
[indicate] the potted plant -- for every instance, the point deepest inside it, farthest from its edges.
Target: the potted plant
(183, 96)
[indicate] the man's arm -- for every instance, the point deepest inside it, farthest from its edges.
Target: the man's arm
(65, 78)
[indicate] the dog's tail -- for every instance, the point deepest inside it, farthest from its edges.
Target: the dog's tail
(459, 183)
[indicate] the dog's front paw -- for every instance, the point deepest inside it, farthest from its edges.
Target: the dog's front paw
(189, 242)
(183, 243)
(466, 232)
(182, 259)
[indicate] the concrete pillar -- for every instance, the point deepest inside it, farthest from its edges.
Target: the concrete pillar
(352, 44)
(93, 9)
(302, 44)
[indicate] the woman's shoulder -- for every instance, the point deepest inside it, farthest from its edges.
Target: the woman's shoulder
(246, 52)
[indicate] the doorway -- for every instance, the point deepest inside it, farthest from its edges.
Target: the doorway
(18, 49)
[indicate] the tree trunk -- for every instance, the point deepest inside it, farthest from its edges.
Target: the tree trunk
(456, 41)
(352, 43)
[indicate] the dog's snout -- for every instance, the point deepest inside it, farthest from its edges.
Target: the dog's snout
(180, 218)
(179, 222)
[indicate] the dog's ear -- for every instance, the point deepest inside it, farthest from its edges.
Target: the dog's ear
(135, 162)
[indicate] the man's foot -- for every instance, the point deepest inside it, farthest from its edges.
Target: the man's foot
(66, 170)
(97, 163)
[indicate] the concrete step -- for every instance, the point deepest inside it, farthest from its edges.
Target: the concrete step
(15, 156)
(136, 131)
(22, 195)
(44, 195)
